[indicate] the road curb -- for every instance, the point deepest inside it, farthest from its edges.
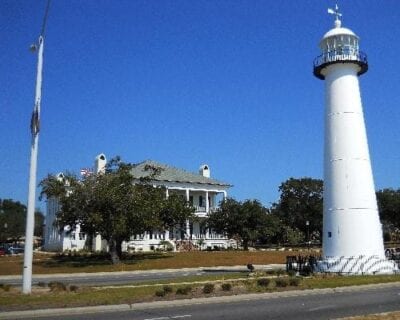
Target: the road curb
(29, 314)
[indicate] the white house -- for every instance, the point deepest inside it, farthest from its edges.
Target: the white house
(56, 240)
(203, 192)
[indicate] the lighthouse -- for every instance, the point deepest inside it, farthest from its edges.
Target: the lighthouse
(352, 233)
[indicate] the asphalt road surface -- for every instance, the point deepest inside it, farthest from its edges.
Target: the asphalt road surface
(310, 305)
(111, 278)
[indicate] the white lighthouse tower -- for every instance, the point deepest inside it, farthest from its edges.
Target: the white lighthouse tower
(352, 232)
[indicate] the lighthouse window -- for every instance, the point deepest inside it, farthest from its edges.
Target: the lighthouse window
(329, 234)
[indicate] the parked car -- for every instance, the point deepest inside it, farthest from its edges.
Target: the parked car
(15, 250)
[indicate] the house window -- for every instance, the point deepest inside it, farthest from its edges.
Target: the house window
(191, 200)
(200, 201)
(329, 234)
(81, 236)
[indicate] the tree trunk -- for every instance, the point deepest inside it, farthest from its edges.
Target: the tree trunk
(113, 246)
(245, 244)
(119, 248)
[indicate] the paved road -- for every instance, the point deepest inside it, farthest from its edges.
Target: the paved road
(102, 279)
(310, 305)
(134, 277)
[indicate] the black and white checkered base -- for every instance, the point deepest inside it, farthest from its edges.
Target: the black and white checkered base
(357, 265)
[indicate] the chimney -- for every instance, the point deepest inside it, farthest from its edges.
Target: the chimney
(100, 163)
(204, 170)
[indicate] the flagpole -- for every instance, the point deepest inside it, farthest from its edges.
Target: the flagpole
(35, 126)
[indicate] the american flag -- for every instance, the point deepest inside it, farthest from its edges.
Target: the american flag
(86, 172)
(35, 122)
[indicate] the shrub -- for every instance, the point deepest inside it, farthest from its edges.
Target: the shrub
(270, 272)
(168, 289)
(291, 273)
(280, 272)
(281, 282)
(306, 271)
(73, 288)
(57, 286)
(263, 282)
(41, 284)
(166, 246)
(294, 282)
(183, 290)
(226, 287)
(5, 287)
(160, 293)
(208, 288)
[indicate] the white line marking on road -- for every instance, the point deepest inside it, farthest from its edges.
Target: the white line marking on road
(322, 308)
(171, 317)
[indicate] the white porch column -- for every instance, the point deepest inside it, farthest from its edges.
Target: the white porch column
(187, 221)
(166, 193)
(188, 229)
(207, 203)
(166, 235)
(225, 194)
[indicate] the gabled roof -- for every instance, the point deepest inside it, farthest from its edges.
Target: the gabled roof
(172, 174)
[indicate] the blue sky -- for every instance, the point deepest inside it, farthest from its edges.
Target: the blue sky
(227, 83)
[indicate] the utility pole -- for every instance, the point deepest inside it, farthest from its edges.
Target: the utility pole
(35, 127)
(308, 234)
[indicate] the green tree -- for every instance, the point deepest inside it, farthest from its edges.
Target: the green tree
(389, 210)
(301, 201)
(291, 236)
(246, 220)
(13, 220)
(39, 222)
(274, 230)
(114, 205)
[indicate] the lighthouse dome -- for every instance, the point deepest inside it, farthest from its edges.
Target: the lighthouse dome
(338, 31)
(339, 37)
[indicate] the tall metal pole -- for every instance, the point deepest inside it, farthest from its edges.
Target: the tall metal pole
(27, 275)
(35, 126)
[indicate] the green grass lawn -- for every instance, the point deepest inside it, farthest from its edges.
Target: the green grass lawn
(382, 316)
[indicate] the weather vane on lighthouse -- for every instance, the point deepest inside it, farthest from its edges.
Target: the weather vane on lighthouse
(337, 14)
